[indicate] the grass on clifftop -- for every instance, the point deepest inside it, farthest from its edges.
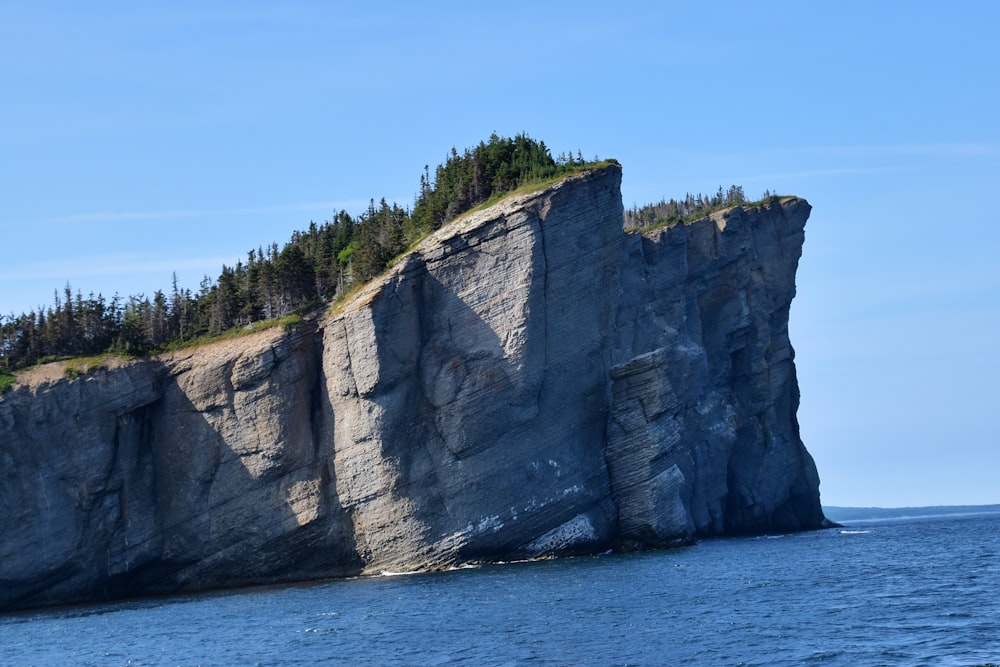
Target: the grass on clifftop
(536, 185)
(83, 366)
(540, 184)
(6, 381)
(289, 322)
(77, 367)
(317, 265)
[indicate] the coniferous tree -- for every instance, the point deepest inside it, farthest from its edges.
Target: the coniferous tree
(320, 262)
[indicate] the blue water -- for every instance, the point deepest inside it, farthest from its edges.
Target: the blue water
(903, 592)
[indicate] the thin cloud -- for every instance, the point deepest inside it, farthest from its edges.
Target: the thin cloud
(811, 173)
(119, 216)
(109, 265)
(941, 150)
(871, 154)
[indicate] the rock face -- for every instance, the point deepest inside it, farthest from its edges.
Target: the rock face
(703, 437)
(194, 470)
(530, 381)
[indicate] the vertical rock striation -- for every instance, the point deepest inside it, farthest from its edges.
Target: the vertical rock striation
(703, 437)
(469, 388)
(529, 381)
(199, 469)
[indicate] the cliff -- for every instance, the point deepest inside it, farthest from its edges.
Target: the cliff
(530, 381)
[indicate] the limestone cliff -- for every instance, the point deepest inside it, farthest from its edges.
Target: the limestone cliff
(529, 381)
(703, 437)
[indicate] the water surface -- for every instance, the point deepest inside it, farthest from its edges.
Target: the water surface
(920, 591)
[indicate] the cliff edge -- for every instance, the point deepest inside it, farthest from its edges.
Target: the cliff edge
(530, 381)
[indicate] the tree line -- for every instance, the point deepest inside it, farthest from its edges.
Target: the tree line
(313, 267)
(691, 207)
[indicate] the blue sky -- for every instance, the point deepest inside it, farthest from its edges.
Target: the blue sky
(142, 139)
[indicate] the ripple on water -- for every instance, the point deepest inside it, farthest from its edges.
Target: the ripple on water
(892, 593)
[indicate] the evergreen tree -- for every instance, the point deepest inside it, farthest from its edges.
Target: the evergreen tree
(320, 262)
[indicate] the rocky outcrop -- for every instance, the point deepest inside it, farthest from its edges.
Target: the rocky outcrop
(198, 469)
(530, 381)
(469, 389)
(703, 437)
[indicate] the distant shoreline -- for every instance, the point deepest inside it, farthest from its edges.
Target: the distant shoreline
(840, 514)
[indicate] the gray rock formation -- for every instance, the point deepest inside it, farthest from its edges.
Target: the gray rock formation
(199, 469)
(531, 381)
(703, 438)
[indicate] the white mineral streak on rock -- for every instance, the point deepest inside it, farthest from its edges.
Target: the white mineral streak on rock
(490, 369)
(575, 532)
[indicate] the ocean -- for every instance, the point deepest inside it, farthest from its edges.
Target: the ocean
(913, 591)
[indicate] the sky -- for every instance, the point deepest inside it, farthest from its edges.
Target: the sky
(140, 140)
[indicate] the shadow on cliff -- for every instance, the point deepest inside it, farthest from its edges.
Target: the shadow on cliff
(485, 469)
(239, 477)
(725, 361)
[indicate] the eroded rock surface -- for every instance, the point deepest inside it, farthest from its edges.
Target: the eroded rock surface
(703, 438)
(470, 389)
(196, 470)
(530, 381)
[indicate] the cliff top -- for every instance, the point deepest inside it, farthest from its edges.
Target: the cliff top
(692, 207)
(488, 210)
(228, 347)
(469, 222)
(434, 243)
(68, 369)
(717, 213)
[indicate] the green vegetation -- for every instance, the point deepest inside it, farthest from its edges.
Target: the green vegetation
(490, 169)
(324, 264)
(83, 366)
(288, 323)
(691, 208)
(543, 183)
(275, 286)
